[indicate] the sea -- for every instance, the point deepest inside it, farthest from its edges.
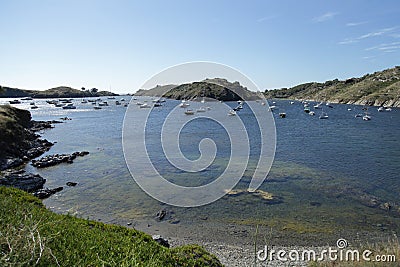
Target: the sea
(330, 178)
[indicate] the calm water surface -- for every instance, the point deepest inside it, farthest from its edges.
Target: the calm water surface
(321, 172)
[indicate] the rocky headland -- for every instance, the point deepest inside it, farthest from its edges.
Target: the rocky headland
(21, 144)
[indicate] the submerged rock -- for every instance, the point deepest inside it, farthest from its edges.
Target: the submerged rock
(55, 159)
(23, 180)
(161, 214)
(272, 199)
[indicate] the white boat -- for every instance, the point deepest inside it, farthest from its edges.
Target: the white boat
(381, 109)
(317, 106)
(139, 103)
(291, 102)
(323, 115)
(366, 117)
(84, 101)
(349, 109)
(311, 113)
(231, 112)
(203, 100)
(202, 109)
(145, 105)
(69, 106)
(189, 112)
(388, 109)
(184, 105)
(27, 98)
(271, 108)
(359, 115)
(103, 104)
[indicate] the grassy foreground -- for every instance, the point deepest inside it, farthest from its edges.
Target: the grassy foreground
(32, 235)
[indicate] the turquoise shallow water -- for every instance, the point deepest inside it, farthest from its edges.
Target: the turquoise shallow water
(321, 172)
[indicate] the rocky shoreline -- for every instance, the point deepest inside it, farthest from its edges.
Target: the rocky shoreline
(22, 145)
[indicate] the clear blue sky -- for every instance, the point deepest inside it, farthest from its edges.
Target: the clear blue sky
(121, 44)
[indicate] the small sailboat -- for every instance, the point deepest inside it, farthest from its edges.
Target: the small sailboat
(145, 105)
(323, 115)
(69, 106)
(306, 109)
(311, 113)
(201, 109)
(189, 112)
(231, 112)
(184, 104)
(381, 109)
(366, 117)
(317, 106)
(282, 115)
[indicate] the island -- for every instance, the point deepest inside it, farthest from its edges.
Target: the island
(211, 89)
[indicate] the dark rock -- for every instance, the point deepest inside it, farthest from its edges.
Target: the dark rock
(45, 193)
(71, 183)
(174, 221)
(315, 203)
(55, 159)
(160, 240)
(23, 180)
(161, 214)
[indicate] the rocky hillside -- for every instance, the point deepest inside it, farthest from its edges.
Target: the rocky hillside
(58, 92)
(381, 88)
(217, 88)
(18, 140)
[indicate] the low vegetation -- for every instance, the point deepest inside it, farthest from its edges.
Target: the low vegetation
(217, 89)
(379, 88)
(58, 92)
(32, 235)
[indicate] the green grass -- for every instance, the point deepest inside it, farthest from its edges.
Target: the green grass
(31, 235)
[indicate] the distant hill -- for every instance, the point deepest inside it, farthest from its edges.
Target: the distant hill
(381, 88)
(217, 88)
(58, 92)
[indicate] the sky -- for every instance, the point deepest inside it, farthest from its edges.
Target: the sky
(118, 45)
